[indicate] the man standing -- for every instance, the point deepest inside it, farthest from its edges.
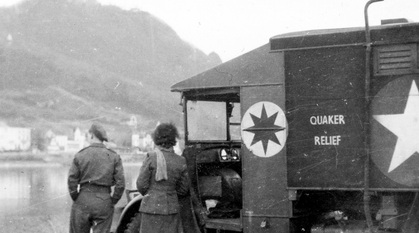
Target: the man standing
(93, 171)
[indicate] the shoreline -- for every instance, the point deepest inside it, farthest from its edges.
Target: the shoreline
(28, 159)
(28, 164)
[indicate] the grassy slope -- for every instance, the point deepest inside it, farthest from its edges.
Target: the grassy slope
(71, 62)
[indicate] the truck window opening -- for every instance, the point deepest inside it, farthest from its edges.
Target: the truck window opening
(213, 121)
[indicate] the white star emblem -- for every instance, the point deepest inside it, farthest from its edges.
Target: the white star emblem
(406, 127)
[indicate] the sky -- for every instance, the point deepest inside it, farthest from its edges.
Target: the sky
(233, 27)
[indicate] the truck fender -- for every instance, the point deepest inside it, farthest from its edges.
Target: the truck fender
(128, 212)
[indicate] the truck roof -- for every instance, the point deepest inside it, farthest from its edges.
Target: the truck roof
(262, 67)
(249, 69)
(344, 36)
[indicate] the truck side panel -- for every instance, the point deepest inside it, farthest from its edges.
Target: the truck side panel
(326, 110)
(265, 206)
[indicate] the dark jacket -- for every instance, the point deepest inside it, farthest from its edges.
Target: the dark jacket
(96, 165)
(161, 197)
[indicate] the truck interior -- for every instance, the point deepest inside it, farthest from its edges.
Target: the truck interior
(212, 149)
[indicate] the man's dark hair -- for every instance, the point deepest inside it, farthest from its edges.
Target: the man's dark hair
(165, 135)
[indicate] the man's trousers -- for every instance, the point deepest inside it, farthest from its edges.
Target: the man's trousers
(91, 210)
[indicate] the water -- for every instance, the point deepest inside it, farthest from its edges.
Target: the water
(34, 196)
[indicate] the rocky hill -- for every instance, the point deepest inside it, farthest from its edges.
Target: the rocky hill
(65, 63)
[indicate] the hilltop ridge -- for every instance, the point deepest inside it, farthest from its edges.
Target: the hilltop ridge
(65, 63)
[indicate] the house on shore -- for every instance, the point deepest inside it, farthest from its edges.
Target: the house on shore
(14, 138)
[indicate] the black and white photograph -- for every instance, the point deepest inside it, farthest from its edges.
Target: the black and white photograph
(198, 116)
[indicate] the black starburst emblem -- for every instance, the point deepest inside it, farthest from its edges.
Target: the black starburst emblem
(264, 129)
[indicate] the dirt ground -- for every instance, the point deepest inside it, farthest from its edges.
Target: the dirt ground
(58, 223)
(46, 224)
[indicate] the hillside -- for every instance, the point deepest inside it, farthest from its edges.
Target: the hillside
(65, 63)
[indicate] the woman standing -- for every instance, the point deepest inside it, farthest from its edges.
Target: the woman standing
(163, 176)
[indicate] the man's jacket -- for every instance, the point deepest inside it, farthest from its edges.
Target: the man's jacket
(96, 165)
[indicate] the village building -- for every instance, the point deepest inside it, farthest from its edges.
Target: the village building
(62, 143)
(14, 138)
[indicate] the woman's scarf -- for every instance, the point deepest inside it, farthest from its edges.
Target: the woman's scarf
(161, 170)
